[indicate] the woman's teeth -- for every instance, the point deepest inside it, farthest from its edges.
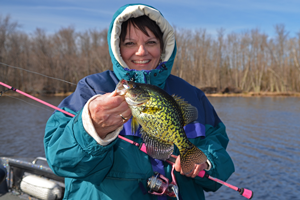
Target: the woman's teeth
(140, 61)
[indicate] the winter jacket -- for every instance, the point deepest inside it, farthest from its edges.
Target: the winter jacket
(119, 170)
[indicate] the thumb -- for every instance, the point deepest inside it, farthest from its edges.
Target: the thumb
(177, 164)
(113, 94)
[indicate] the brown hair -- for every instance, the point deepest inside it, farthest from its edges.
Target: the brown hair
(142, 23)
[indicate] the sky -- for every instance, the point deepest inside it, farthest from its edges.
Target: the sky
(212, 15)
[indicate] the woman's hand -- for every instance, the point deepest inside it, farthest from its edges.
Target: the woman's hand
(194, 173)
(106, 111)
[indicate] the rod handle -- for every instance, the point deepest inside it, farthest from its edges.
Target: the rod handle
(246, 193)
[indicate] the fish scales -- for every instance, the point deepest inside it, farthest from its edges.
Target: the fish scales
(162, 118)
(171, 122)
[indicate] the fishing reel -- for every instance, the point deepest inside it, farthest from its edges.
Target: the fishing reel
(159, 185)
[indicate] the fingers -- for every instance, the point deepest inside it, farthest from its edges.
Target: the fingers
(178, 168)
(112, 100)
(126, 115)
(109, 101)
(194, 172)
(197, 170)
(106, 111)
(121, 107)
(177, 165)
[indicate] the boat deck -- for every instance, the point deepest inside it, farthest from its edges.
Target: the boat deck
(17, 170)
(9, 196)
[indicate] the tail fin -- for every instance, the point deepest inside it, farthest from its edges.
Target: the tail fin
(190, 157)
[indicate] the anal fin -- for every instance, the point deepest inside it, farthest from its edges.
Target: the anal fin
(157, 148)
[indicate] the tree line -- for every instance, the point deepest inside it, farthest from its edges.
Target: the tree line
(250, 61)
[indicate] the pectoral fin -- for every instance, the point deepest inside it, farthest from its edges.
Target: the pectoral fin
(134, 125)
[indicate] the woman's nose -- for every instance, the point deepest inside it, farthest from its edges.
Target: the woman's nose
(141, 51)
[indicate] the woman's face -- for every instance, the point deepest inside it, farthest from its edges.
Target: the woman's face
(139, 51)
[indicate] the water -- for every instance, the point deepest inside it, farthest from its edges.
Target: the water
(264, 145)
(22, 125)
(263, 131)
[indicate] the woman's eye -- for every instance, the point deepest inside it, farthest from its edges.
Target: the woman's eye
(152, 42)
(129, 43)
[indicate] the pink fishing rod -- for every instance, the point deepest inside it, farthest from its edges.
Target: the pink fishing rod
(243, 191)
(36, 99)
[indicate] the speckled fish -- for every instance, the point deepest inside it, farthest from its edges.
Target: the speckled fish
(162, 118)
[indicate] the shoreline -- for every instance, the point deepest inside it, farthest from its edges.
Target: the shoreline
(243, 94)
(256, 94)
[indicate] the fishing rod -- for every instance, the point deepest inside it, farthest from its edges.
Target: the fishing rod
(36, 99)
(242, 191)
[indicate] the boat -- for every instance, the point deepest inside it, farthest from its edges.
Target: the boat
(27, 178)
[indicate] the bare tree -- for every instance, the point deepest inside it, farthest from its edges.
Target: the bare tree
(248, 60)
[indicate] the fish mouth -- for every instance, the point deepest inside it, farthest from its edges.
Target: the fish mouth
(122, 87)
(134, 96)
(134, 102)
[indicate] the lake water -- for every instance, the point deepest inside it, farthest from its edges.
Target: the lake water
(264, 145)
(263, 131)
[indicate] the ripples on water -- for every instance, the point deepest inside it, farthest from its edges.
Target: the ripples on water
(22, 125)
(263, 131)
(264, 145)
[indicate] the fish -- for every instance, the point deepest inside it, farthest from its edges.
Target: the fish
(162, 118)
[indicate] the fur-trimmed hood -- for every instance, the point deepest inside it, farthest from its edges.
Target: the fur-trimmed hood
(156, 76)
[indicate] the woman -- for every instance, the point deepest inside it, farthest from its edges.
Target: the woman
(85, 149)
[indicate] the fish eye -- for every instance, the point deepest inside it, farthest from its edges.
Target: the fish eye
(126, 86)
(134, 85)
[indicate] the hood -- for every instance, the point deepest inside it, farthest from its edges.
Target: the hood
(156, 76)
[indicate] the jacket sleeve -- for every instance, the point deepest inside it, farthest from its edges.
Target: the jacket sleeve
(70, 150)
(214, 146)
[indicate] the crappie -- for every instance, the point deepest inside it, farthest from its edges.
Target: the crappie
(162, 118)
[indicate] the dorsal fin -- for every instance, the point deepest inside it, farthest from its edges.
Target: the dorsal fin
(189, 112)
(156, 148)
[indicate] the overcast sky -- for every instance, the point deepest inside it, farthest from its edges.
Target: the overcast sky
(231, 15)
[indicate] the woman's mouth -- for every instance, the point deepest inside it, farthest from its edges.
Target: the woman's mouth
(141, 61)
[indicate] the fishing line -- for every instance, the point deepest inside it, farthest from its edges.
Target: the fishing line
(37, 73)
(51, 77)
(29, 103)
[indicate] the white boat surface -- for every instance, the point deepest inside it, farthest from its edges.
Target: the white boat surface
(28, 178)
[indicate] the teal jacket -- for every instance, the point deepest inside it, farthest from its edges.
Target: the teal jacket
(120, 170)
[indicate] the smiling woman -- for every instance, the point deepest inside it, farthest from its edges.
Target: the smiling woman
(138, 38)
(141, 43)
